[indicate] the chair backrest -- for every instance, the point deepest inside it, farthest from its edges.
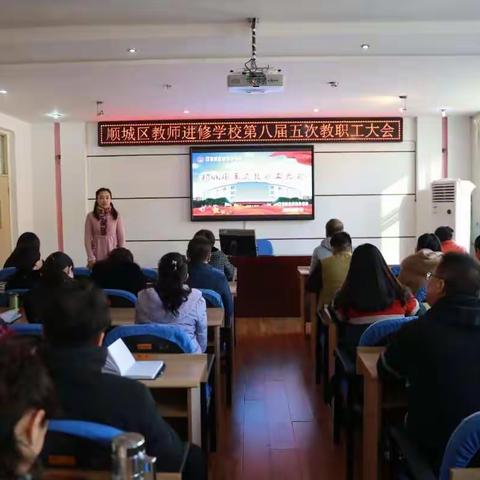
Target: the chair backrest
(81, 272)
(150, 273)
(381, 330)
(212, 298)
(421, 294)
(78, 444)
(395, 270)
(264, 246)
(6, 273)
(32, 329)
(152, 338)
(463, 445)
(120, 298)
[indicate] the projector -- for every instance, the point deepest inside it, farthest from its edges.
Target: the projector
(252, 82)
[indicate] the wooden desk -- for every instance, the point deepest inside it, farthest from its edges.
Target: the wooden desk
(465, 474)
(177, 390)
(82, 475)
(367, 358)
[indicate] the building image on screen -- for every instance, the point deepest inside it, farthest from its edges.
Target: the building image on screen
(262, 183)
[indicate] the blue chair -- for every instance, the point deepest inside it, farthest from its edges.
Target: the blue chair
(395, 270)
(78, 444)
(264, 246)
(212, 298)
(81, 272)
(462, 447)
(30, 329)
(421, 295)
(381, 330)
(18, 291)
(152, 338)
(150, 274)
(120, 298)
(6, 273)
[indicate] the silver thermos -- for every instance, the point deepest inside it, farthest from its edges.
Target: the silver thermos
(129, 459)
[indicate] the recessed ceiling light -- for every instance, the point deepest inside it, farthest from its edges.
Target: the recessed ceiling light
(55, 115)
(315, 110)
(186, 111)
(365, 46)
(132, 50)
(3, 91)
(333, 84)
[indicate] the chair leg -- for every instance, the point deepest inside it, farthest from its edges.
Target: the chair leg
(327, 387)
(350, 435)
(337, 407)
(318, 355)
(228, 364)
(213, 411)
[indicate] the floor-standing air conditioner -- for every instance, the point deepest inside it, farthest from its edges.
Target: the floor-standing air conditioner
(451, 203)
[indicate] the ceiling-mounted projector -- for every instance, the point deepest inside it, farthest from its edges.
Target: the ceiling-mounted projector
(255, 79)
(255, 82)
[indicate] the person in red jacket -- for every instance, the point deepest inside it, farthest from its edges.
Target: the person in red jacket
(445, 234)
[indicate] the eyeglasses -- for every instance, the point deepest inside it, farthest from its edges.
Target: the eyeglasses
(429, 275)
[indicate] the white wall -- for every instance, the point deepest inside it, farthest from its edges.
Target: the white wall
(44, 205)
(370, 187)
(459, 147)
(21, 173)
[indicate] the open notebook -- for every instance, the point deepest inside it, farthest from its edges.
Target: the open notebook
(121, 362)
(10, 316)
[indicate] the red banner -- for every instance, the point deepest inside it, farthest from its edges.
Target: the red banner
(296, 130)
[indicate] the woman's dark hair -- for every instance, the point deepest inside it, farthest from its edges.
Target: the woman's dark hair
(370, 285)
(430, 241)
(24, 384)
(444, 233)
(476, 244)
(26, 253)
(120, 255)
(52, 272)
(208, 234)
(96, 206)
(172, 274)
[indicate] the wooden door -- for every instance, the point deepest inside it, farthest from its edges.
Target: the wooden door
(5, 224)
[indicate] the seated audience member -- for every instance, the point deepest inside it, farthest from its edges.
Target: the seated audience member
(56, 270)
(325, 249)
(414, 268)
(26, 259)
(203, 275)
(334, 269)
(438, 356)
(218, 259)
(119, 271)
(74, 322)
(476, 245)
(27, 400)
(173, 302)
(370, 293)
(445, 235)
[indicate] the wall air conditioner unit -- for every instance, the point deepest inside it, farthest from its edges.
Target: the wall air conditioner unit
(451, 206)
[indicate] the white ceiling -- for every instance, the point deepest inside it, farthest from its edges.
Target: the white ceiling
(66, 54)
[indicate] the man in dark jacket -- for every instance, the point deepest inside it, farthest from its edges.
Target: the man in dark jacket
(439, 356)
(202, 275)
(75, 321)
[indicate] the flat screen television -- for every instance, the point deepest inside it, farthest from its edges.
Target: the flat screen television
(252, 183)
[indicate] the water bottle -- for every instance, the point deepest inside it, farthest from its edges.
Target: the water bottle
(129, 459)
(14, 301)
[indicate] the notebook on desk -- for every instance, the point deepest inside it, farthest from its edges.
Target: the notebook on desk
(10, 316)
(121, 362)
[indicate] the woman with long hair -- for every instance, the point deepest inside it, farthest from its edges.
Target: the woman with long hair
(26, 258)
(56, 270)
(104, 229)
(27, 400)
(370, 293)
(171, 301)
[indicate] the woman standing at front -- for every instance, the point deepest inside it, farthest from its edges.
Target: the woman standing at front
(104, 229)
